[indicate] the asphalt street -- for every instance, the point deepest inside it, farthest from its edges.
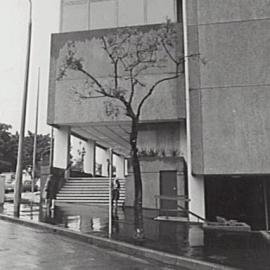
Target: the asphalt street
(34, 249)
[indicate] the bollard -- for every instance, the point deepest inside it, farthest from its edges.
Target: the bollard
(2, 190)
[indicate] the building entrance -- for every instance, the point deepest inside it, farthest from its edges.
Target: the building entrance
(242, 198)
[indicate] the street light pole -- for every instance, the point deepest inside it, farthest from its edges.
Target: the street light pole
(35, 140)
(17, 194)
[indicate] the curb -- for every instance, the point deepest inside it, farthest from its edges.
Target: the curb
(189, 263)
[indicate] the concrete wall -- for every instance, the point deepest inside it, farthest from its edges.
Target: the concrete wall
(230, 97)
(150, 171)
(65, 107)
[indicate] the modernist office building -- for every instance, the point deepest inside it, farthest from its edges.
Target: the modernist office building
(214, 118)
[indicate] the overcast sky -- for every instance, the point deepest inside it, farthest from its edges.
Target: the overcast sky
(13, 28)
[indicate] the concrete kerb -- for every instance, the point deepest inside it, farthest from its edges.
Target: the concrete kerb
(122, 247)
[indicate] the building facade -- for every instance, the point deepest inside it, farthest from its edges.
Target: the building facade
(212, 120)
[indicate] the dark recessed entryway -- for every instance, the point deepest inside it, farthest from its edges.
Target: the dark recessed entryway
(240, 198)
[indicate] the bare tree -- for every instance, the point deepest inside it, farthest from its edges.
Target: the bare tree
(133, 54)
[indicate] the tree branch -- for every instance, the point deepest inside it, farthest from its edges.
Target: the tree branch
(132, 85)
(107, 50)
(151, 90)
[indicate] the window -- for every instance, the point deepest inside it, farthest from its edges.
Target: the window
(130, 12)
(118, 13)
(158, 11)
(103, 14)
(74, 16)
(95, 14)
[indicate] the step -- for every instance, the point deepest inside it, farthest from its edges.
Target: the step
(92, 180)
(84, 191)
(86, 184)
(84, 196)
(77, 192)
(87, 201)
(84, 199)
(87, 188)
(87, 195)
(89, 183)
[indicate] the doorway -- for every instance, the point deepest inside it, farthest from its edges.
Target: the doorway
(168, 187)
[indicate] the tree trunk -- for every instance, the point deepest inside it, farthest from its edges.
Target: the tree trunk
(138, 215)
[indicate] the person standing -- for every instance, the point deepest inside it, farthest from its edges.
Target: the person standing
(115, 192)
(50, 192)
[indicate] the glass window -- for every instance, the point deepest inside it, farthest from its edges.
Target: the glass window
(74, 17)
(158, 11)
(102, 14)
(130, 12)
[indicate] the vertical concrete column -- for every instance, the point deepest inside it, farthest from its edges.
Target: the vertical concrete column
(102, 155)
(119, 163)
(61, 150)
(2, 190)
(105, 164)
(196, 196)
(89, 158)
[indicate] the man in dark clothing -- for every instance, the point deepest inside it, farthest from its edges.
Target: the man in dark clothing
(115, 191)
(50, 192)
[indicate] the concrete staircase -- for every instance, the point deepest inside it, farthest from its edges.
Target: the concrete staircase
(89, 190)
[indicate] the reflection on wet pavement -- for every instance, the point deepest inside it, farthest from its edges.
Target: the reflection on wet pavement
(243, 250)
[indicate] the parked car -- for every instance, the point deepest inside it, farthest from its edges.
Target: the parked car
(9, 179)
(27, 186)
(9, 185)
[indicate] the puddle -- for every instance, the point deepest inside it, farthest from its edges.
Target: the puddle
(242, 250)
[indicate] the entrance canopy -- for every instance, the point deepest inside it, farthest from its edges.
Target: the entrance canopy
(110, 135)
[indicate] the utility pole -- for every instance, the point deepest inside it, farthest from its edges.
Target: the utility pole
(17, 194)
(35, 139)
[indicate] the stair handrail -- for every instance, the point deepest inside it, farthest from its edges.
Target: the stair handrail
(191, 213)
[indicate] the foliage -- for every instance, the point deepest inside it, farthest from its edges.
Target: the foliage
(77, 164)
(43, 145)
(159, 153)
(9, 148)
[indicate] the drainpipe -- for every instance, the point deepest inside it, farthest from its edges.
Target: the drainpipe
(194, 186)
(186, 64)
(192, 183)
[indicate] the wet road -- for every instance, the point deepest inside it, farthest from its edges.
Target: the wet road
(33, 249)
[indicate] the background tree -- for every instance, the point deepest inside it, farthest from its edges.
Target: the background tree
(133, 54)
(8, 148)
(43, 144)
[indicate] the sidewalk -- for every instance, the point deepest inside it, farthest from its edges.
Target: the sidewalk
(26, 248)
(179, 239)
